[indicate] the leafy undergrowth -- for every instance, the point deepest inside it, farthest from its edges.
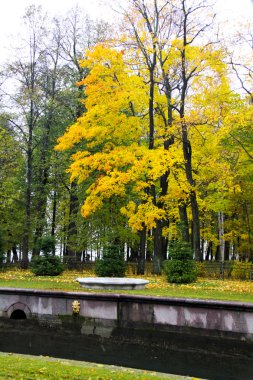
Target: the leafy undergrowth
(19, 367)
(158, 286)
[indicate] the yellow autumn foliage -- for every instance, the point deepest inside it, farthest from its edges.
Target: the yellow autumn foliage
(114, 134)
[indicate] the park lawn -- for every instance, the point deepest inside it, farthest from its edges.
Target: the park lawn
(14, 366)
(233, 290)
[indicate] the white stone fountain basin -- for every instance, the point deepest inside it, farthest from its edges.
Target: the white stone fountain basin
(112, 283)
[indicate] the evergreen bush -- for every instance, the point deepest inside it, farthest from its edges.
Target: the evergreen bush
(46, 264)
(181, 268)
(112, 263)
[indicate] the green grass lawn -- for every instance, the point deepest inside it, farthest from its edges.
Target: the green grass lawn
(234, 290)
(13, 366)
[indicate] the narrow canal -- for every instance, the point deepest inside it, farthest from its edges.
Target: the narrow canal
(214, 358)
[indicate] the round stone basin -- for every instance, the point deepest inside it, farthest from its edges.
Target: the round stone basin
(112, 283)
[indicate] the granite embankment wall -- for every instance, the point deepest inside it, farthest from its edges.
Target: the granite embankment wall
(119, 310)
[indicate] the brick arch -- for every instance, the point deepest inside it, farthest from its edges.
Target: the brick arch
(19, 306)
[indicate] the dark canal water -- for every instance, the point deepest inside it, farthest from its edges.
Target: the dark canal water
(212, 358)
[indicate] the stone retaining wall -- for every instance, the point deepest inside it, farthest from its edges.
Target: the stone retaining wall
(119, 310)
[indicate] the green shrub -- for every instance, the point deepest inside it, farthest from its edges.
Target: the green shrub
(241, 270)
(47, 264)
(181, 269)
(112, 263)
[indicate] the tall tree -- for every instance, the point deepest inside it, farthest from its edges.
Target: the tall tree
(171, 29)
(152, 83)
(11, 189)
(78, 32)
(25, 72)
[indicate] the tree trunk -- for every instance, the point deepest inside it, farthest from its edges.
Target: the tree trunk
(195, 227)
(209, 254)
(184, 223)
(8, 257)
(15, 254)
(27, 226)
(226, 250)
(54, 217)
(186, 144)
(142, 252)
(221, 235)
(72, 227)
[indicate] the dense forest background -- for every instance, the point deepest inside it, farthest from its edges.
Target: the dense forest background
(138, 133)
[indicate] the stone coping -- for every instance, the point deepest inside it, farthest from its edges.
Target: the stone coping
(172, 301)
(112, 283)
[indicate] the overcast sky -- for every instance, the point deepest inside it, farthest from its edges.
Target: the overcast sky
(11, 12)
